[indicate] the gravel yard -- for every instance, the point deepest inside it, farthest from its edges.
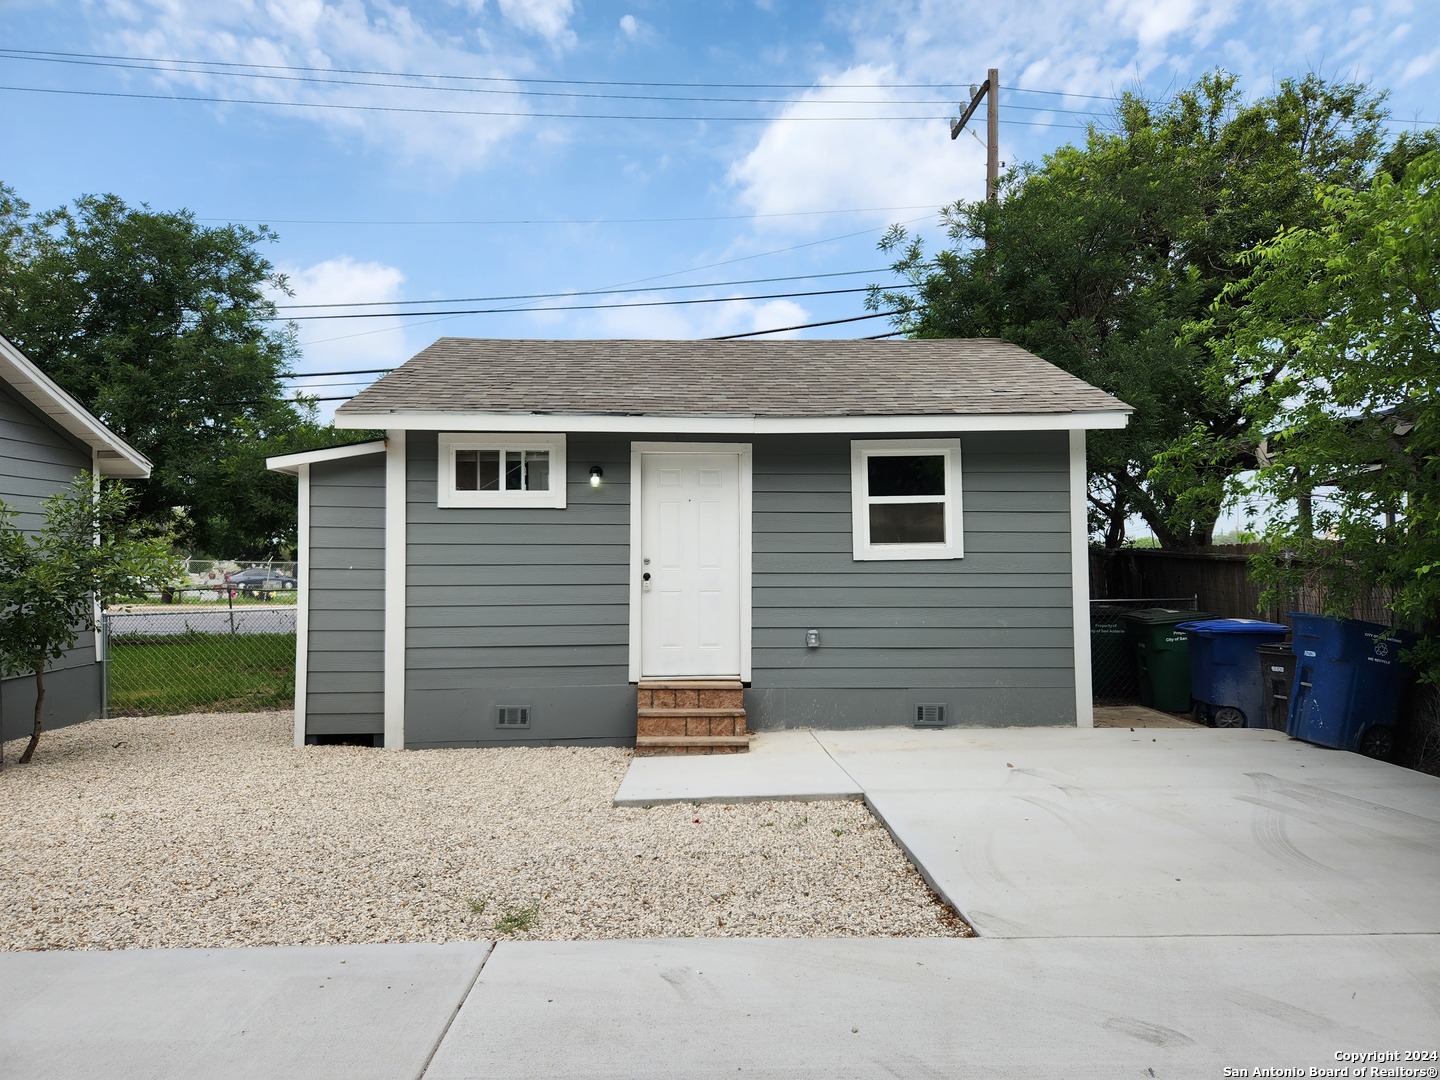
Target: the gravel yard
(213, 830)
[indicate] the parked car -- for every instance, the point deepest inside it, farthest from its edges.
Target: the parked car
(261, 579)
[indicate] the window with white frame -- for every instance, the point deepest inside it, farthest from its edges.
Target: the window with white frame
(501, 470)
(905, 498)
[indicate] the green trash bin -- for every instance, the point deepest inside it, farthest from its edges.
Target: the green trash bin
(1162, 655)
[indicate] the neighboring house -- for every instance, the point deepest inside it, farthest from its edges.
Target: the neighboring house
(857, 532)
(47, 438)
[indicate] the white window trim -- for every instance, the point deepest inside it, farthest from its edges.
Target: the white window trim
(863, 449)
(446, 494)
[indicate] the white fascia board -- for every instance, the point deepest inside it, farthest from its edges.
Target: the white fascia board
(435, 420)
(291, 463)
(111, 455)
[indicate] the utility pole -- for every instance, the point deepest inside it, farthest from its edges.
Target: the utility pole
(990, 91)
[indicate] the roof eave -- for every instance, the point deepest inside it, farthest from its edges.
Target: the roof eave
(112, 455)
(447, 420)
(291, 463)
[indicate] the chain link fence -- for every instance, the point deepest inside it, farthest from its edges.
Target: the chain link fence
(205, 650)
(1113, 673)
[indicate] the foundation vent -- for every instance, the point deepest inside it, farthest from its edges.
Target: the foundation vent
(929, 715)
(512, 716)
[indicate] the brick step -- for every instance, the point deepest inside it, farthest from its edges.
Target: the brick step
(674, 723)
(677, 710)
(689, 697)
(657, 745)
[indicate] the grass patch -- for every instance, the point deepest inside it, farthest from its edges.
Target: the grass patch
(515, 920)
(191, 672)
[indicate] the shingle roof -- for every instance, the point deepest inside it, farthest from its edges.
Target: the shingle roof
(773, 379)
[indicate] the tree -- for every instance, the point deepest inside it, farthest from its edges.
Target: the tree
(87, 550)
(1340, 323)
(1105, 258)
(164, 329)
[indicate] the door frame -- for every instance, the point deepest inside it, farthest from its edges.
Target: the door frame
(744, 453)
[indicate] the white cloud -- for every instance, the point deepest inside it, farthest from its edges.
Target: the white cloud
(441, 128)
(684, 323)
(629, 25)
(801, 164)
(346, 344)
(1154, 22)
(548, 18)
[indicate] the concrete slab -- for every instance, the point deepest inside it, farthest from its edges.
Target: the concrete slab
(831, 1009)
(779, 765)
(347, 1012)
(1039, 833)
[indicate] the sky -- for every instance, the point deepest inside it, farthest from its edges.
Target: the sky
(538, 156)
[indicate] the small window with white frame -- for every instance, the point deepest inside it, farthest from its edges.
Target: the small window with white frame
(501, 470)
(905, 499)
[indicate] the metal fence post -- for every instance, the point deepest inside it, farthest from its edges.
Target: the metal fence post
(105, 665)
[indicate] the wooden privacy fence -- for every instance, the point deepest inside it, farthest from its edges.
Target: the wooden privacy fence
(1220, 580)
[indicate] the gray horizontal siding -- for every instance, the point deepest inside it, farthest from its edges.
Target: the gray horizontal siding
(520, 606)
(37, 460)
(344, 693)
(514, 606)
(989, 634)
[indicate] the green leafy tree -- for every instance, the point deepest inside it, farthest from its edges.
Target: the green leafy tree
(1105, 257)
(88, 549)
(1340, 323)
(164, 329)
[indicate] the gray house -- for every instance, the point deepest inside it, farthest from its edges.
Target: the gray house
(47, 438)
(558, 541)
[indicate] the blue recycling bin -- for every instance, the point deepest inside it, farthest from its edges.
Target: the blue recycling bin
(1225, 677)
(1348, 682)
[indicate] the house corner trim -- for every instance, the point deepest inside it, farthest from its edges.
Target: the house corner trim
(302, 604)
(395, 559)
(1080, 581)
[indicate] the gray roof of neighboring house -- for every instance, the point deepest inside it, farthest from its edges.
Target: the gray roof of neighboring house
(791, 378)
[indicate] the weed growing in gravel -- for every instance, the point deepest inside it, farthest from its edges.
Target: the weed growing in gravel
(838, 832)
(515, 920)
(476, 905)
(801, 821)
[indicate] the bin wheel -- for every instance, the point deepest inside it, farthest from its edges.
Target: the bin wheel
(1229, 717)
(1378, 742)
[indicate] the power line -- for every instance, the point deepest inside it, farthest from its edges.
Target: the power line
(206, 67)
(563, 221)
(529, 113)
(328, 374)
(184, 66)
(635, 281)
(482, 78)
(570, 307)
(588, 292)
(804, 326)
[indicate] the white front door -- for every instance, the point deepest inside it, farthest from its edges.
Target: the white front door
(689, 564)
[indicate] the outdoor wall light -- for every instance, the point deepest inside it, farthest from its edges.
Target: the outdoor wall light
(596, 473)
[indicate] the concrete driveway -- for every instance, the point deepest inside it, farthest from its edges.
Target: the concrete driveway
(1046, 832)
(1155, 903)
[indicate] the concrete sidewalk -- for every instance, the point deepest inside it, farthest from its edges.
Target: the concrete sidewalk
(803, 1010)
(1155, 903)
